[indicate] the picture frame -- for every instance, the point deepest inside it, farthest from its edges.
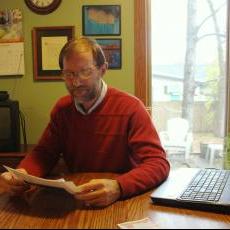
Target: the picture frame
(47, 44)
(102, 20)
(112, 50)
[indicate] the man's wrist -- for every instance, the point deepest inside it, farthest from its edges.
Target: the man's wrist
(118, 190)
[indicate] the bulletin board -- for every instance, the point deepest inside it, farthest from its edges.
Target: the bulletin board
(11, 43)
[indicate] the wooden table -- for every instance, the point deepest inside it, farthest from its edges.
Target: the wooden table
(49, 208)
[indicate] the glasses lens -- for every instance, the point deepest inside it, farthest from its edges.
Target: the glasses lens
(85, 73)
(67, 75)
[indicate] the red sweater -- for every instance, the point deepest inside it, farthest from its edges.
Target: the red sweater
(118, 136)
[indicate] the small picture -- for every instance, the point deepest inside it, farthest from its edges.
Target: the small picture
(101, 20)
(11, 26)
(112, 50)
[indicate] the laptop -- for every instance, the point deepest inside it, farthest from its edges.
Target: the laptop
(193, 188)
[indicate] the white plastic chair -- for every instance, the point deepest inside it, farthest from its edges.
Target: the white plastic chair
(177, 139)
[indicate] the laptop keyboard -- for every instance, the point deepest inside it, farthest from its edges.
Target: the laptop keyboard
(207, 185)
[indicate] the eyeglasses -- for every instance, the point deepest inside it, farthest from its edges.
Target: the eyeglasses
(83, 74)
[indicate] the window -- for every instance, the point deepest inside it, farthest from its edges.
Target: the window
(188, 76)
(188, 57)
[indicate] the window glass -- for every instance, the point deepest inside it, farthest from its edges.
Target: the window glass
(189, 79)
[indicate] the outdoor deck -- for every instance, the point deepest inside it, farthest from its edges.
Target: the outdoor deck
(200, 155)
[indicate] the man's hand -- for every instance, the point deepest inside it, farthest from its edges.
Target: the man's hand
(99, 192)
(11, 184)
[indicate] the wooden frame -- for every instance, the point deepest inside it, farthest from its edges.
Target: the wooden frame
(142, 43)
(47, 44)
(38, 7)
(112, 51)
(95, 20)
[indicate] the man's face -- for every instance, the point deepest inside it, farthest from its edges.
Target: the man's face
(84, 85)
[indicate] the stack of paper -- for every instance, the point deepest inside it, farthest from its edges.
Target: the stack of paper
(69, 186)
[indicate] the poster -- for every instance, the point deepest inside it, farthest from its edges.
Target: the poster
(11, 43)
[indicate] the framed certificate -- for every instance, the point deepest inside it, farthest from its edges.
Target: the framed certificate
(47, 44)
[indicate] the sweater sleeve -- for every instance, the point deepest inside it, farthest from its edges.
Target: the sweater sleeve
(46, 153)
(150, 166)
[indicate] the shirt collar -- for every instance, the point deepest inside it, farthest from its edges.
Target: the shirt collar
(99, 100)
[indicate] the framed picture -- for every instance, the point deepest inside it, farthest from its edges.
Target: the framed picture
(47, 44)
(101, 20)
(112, 50)
(11, 43)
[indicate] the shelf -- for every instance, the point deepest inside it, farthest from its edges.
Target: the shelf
(20, 154)
(12, 159)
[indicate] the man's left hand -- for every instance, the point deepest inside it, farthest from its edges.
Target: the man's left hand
(99, 192)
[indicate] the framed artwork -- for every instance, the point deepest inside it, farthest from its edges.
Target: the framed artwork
(101, 20)
(11, 42)
(47, 44)
(112, 50)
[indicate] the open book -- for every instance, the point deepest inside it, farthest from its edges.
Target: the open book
(69, 186)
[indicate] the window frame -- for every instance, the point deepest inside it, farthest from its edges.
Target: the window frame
(142, 50)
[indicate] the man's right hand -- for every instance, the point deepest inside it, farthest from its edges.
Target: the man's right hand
(12, 185)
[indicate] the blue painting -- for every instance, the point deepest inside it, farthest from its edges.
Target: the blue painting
(112, 50)
(101, 20)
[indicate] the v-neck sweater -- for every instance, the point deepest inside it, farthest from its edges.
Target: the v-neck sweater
(118, 137)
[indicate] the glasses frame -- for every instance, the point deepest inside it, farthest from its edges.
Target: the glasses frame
(76, 75)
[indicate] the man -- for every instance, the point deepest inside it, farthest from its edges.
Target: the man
(97, 129)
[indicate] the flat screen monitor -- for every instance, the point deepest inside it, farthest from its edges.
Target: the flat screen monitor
(9, 126)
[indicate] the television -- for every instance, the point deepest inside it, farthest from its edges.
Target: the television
(9, 126)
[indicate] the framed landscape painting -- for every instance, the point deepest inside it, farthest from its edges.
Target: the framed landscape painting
(112, 50)
(101, 20)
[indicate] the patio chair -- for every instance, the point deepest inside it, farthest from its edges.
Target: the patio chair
(177, 139)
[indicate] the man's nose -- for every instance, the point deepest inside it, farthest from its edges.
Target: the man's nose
(76, 81)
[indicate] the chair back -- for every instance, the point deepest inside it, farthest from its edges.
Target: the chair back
(177, 129)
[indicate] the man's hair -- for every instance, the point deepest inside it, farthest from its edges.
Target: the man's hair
(82, 45)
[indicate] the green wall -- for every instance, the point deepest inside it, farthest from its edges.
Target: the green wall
(37, 98)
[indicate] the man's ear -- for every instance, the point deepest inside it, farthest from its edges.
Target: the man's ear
(104, 67)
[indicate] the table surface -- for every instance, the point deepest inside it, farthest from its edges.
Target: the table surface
(52, 208)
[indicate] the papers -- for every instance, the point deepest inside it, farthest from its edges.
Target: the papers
(145, 223)
(69, 186)
(12, 59)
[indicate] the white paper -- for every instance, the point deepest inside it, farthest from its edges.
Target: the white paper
(12, 58)
(51, 48)
(69, 186)
(145, 223)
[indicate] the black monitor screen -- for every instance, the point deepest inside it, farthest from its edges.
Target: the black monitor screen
(9, 126)
(5, 123)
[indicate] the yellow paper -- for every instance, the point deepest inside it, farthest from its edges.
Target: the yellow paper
(51, 47)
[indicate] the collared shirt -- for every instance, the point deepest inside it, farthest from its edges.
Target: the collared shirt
(99, 100)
